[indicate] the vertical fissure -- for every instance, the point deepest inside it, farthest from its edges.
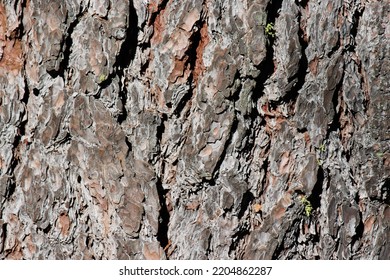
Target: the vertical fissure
(164, 217)
(267, 66)
(129, 46)
(335, 125)
(161, 7)
(354, 28)
(237, 238)
(124, 58)
(315, 196)
(247, 199)
(303, 62)
(359, 232)
(3, 235)
(66, 48)
(21, 131)
(191, 57)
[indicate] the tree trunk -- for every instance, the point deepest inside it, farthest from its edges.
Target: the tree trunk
(214, 129)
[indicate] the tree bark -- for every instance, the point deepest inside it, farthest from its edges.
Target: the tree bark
(170, 129)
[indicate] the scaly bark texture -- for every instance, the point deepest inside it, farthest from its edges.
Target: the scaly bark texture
(171, 129)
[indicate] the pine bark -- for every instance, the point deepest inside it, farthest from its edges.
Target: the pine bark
(213, 129)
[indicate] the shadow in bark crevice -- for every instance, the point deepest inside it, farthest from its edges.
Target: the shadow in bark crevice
(238, 237)
(66, 46)
(163, 221)
(315, 196)
(129, 46)
(303, 64)
(124, 58)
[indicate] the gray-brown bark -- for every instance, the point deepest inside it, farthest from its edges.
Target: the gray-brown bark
(183, 130)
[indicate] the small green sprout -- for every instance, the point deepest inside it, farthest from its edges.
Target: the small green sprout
(379, 154)
(322, 148)
(270, 30)
(307, 204)
(102, 78)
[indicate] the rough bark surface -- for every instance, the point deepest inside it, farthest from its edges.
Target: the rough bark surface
(171, 129)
